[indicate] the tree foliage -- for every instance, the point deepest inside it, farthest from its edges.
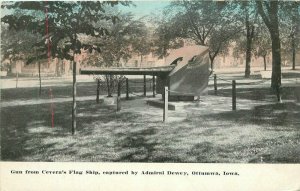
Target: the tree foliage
(125, 37)
(17, 45)
(206, 23)
(290, 30)
(17, 42)
(64, 20)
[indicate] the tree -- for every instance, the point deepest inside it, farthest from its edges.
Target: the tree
(249, 18)
(125, 37)
(64, 21)
(262, 43)
(206, 23)
(142, 44)
(290, 30)
(164, 38)
(269, 13)
(18, 44)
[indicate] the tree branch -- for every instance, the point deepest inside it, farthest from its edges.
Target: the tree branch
(193, 24)
(263, 14)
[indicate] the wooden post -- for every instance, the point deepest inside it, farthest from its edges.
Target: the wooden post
(98, 91)
(153, 85)
(127, 89)
(233, 95)
(17, 79)
(119, 96)
(215, 84)
(145, 85)
(165, 115)
(74, 100)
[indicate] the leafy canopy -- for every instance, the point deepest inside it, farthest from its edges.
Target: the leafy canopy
(60, 23)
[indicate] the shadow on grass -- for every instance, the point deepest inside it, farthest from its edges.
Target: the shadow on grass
(136, 145)
(272, 117)
(104, 135)
(279, 116)
(288, 93)
(26, 132)
(24, 128)
(65, 90)
(28, 123)
(202, 151)
(282, 151)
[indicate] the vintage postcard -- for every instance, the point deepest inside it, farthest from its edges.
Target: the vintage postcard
(150, 95)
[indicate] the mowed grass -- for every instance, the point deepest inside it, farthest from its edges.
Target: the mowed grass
(260, 131)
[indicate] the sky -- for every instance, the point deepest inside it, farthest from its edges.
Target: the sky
(144, 8)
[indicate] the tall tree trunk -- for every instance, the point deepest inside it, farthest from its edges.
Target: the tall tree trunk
(39, 71)
(212, 58)
(74, 99)
(248, 49)
(248, 60)
(270, 18)
(17, 74)
(265, 62)
(10, 66)
(212, 64)
(276, 63)
(62, 67)
(276, 59)
(250, 35)
(56, 66)
(40, 78)
(17, 79)
(294, 54)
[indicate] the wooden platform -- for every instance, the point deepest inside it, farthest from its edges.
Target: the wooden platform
(162, 70)
(160, 104)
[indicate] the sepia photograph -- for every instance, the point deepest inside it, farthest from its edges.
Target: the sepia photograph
(150, 82)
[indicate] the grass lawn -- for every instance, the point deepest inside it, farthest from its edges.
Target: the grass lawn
(206, 131)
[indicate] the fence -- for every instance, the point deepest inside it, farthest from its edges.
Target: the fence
(133, 87)
(219, 84)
